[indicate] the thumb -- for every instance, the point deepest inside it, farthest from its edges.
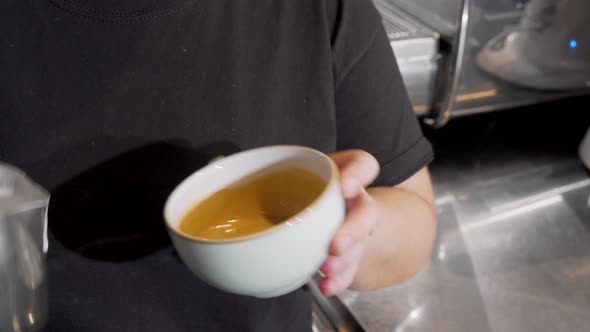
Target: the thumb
(358, 169)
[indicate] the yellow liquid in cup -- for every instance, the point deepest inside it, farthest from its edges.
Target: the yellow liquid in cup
(253, 205)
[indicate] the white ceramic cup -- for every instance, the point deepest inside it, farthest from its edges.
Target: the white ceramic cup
(274, 261)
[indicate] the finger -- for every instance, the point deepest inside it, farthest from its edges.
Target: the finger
(358, 225)
(358, 169)
(336, 265)
(334, 285)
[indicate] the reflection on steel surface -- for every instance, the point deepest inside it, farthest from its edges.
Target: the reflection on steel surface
(477, 95)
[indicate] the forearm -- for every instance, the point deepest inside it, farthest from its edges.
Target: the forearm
(401, 242)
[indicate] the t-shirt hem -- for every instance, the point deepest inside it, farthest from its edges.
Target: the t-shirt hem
(403, 166)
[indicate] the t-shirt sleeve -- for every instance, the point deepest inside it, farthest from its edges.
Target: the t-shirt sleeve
(373, 110)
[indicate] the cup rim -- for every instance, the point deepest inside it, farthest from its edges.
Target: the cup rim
(334, 180)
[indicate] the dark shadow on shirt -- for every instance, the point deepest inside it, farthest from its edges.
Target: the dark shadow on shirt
(114, 211)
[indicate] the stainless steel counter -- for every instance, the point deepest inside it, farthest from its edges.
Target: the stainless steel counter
(513, 255)
(513, 252)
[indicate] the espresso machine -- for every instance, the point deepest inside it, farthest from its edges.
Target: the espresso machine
(23, 245)
(466, 57)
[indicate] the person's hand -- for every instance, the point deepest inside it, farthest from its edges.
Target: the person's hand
(358, 169)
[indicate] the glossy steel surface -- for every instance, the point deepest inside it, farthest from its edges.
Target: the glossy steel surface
(23, 296)
(451, 70)
(513, 252)
(441, 15)
(416, 48)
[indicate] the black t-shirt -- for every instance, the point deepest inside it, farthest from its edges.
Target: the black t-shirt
(110, 103)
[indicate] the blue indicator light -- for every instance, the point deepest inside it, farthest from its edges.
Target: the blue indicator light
(573, 43)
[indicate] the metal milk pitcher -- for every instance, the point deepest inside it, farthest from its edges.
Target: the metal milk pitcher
(23, 244)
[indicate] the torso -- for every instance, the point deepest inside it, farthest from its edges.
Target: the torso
(103, 111)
